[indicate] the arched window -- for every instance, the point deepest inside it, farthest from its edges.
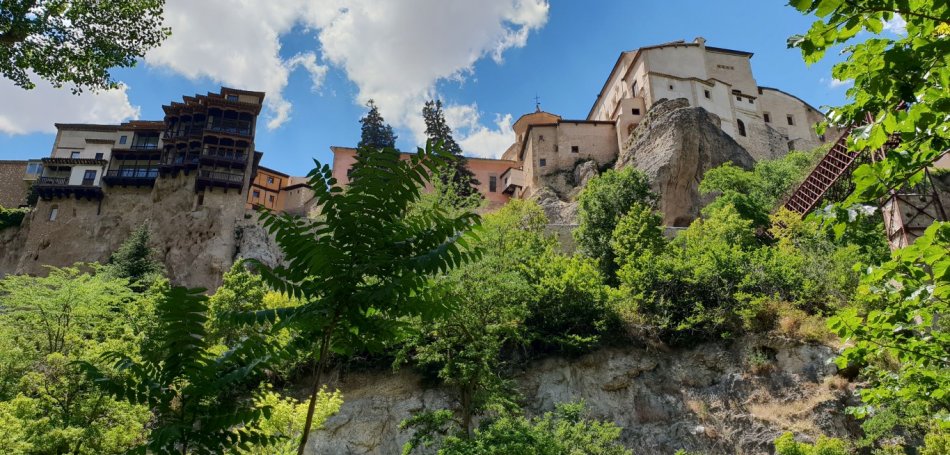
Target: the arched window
(741, 128)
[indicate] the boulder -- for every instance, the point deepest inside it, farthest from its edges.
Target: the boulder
(675, 145)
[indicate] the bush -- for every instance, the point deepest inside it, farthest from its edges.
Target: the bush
(12, 217)
(786, 445)
(601, 204)
(566, 431)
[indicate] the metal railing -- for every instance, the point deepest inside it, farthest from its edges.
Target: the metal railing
(221, 176)
(237, 156)
(133, 173)
(52, 181)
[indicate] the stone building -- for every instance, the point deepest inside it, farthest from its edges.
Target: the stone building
(766, 122)
(185, 177)
(280, 192)
(14, 183)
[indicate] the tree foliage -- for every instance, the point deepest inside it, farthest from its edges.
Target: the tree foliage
(190, 391)
(46, 404)
(900, 332)
(365, 265)
(375, 133)
(455, 171)
(135, 259)
(787, 445)
(899, 80)
(601, 204)
(76, 42)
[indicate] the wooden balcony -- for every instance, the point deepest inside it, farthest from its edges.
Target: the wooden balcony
(131, 177)
(231, 157)
(59, 187)
(208, 178)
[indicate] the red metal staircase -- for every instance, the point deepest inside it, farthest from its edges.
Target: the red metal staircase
(834, 166)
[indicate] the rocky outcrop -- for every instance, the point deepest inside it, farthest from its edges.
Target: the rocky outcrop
(709, 399)
(197, 240)
(675, 145)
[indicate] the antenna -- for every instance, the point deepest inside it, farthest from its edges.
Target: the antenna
(537, 103)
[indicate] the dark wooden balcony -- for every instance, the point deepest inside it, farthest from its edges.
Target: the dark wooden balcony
(131, 177)
(207, 178)
(234, 158)
(59, 187)
(178, 162)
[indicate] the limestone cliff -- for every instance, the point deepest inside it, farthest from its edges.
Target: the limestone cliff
(675, 145)
(196, 240)
(707, 399)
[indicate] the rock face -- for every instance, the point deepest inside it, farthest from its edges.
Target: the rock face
(675, 145)
(197, 242)
(704, 399)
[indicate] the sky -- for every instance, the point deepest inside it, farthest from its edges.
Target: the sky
(320, 61)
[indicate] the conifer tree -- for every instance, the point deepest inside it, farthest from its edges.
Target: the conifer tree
(438, 130)
(135, 260)
(375, 132)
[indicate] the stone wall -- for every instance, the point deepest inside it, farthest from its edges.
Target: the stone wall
(705, 400)
(13, 189)
(197, 243)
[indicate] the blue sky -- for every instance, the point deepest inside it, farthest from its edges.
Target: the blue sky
(319, 59)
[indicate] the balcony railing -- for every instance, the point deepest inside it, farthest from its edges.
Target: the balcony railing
(225, 154)
(52, 181)
(231, 129)
(133, 173)
(222, 177)
(143, 147)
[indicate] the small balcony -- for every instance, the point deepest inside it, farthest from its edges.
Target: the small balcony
(235, 158)
(49, 187)
(131, 177)
(512, 180)
(208, 178)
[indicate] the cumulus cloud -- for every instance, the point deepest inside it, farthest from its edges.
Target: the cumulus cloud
(397, 52)
(477, 139)
(35, 111)
(237, 43)
(833, 83)
(897, 25)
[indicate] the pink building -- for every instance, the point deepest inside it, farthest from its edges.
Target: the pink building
(488, 172)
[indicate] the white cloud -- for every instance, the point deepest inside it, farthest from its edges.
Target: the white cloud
(833, 83)
(236, 43)
(897, 25)
(35, 111)
(397, 52)
(477, 139)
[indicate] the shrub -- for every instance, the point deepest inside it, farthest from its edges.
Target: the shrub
(566, 431)
(601, 204)
(786, 445)
(11, 217)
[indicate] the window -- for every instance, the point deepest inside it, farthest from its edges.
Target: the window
(271, 198)
(201, 199)
(741, 128)
(750, 101)
(767, 117)
(575, 149)
(492, 183)
(257, 194)
(634, 88)
(543, 162)
(89, 177)
(232, 98)
(706, 92)
(738, 98)
(540, 137)
(74, 154)
(270, 180)
(671, 86)
(791, 121)
(123, 139)
(99, 156)
(34, 168)
(53, 212)
(635, 111)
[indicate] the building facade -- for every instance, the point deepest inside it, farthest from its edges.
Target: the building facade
(14, 183)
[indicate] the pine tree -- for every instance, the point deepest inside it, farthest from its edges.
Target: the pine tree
(375, 132)
(438, 130)
(135, 260)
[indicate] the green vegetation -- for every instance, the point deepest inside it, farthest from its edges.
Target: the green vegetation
(786, 445)
(76, 42)
(375, 133)
(454, 173)
(12, 217)
(135, 260)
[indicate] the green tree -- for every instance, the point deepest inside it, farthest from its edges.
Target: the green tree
(286, 421)
(375, 133)
(365, 265)
(900, 81)
(601, 204)
(240, 291)
(565, 431)
(135, 259)
(191, 392)
(899, 333)
(786, 445)
(76, 42)
(48, 323)
(756, 193)
(455, 171)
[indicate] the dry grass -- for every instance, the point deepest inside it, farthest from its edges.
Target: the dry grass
(835, 382)
(799, 325)
(792, 415)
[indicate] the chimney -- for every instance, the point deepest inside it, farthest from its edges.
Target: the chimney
(700, 41)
